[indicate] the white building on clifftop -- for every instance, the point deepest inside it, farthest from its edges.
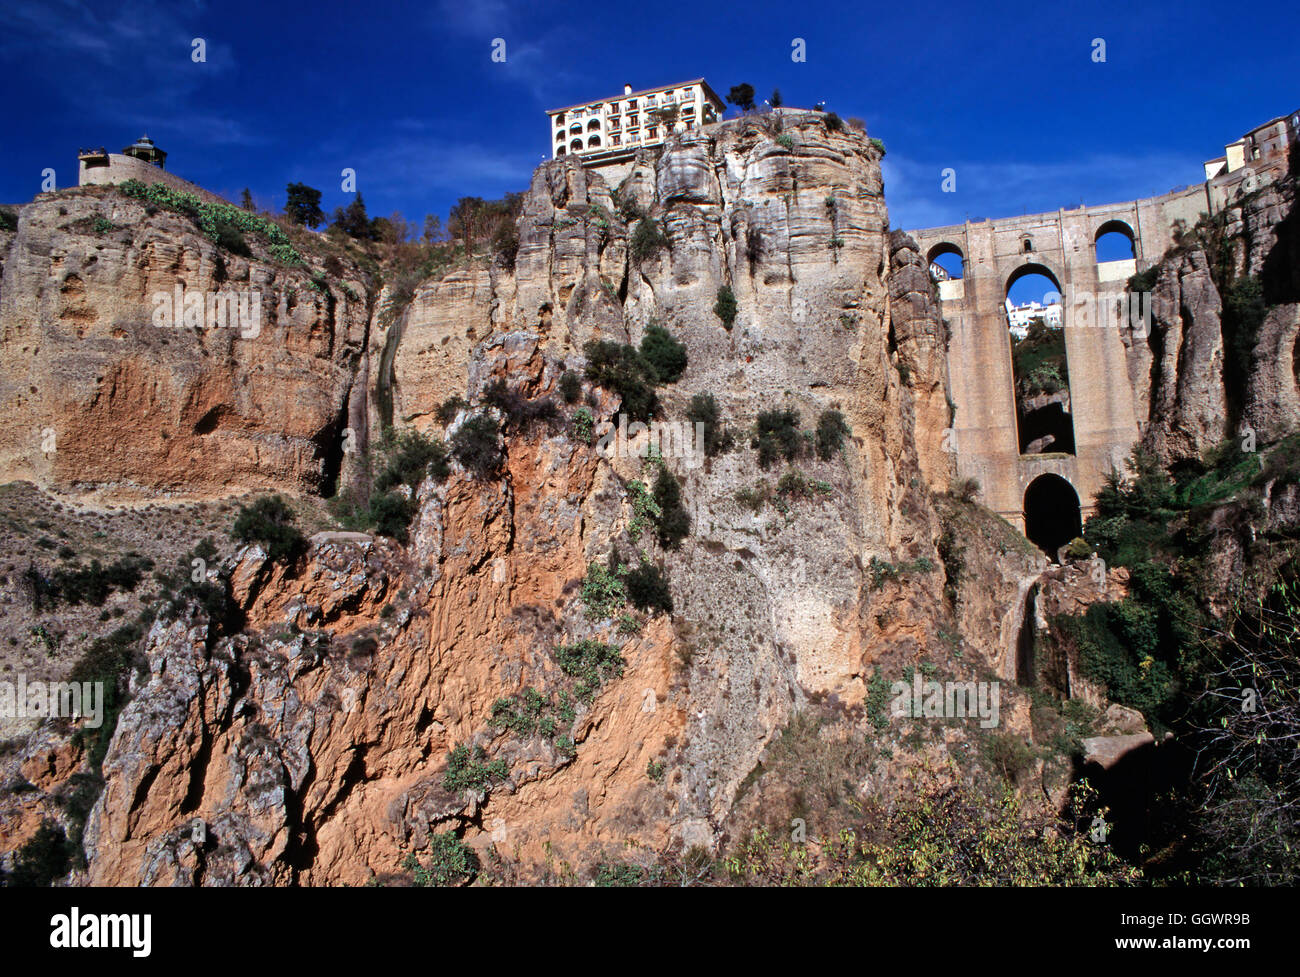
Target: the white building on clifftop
(610, 130)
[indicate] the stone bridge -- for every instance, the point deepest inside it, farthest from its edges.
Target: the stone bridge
(1046, 494)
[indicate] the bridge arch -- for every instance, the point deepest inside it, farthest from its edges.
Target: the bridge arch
(1053, 515)
(949, 257)
(1115, 241)
(1033, 268)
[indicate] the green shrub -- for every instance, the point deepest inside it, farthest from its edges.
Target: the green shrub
(674, 521)
(390, 514)
(591, 662)
(777, 436)
(647, 240)
(269, 523)
(664, 354)
(414, 455)
(831, 429)
(704, 410)
(8, 220)
(785, 140)
(450, 862)
(620, 368)
(584, 425)
(570, 386)
(211, 218)
(474, 445)
(471, 770)
(603, 592)
(1078, 549)
(879, 144)
(833, 122)
(725, 307)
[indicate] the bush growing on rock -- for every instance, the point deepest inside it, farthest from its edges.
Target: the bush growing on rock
(269, 522)
(570, 386)
(474, 445)
(665, 355)
(620, 368)
(831, 429)
(777, 436)
(450, 862)
(647, 240)
(647, 588)
(725, 307)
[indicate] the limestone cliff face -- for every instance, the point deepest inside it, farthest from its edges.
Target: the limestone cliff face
(313, 741)
(136, 406)
(1185, 387)
(314, 755)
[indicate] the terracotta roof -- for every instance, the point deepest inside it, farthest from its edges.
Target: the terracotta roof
(708, 92)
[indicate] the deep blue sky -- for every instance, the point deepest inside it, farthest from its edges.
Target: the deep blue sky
(1005, 94)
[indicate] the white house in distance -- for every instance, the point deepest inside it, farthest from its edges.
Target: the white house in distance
(1019, 316)
(610, 130)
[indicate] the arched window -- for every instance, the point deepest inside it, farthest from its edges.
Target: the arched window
(576, 144)
(593, 125)
(1027, 246)
(593, 141)
(1115, 241)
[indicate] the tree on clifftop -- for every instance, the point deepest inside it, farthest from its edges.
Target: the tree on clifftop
(742, 96)
(302, 205)
(353, 220)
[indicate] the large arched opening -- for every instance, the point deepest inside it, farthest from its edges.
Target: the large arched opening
(1040, 370)
(1052, 513)
(1115, 241)
(946, 262)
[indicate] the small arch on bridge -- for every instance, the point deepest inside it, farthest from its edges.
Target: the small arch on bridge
(1053, 516)
(1033, 268)
(1115, 241)
(947, 256)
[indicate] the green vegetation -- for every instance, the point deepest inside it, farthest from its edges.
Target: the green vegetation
(833, 122)
(882, 571)
(449, 408)
(471, 770)
(474, 446)
(625, 371)
(8, 220)
(584, 425)
(725, 307)
(665, 356)
(1039, 360)
(591, 663)
(785, 140)
(704, 410)
(831, 429)
(570, 386)
(269, 522)
(216, 221)
(777, 436)
(302, 205)
(878, 144)
(647, 240)
(450, 862)
(603, 592)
